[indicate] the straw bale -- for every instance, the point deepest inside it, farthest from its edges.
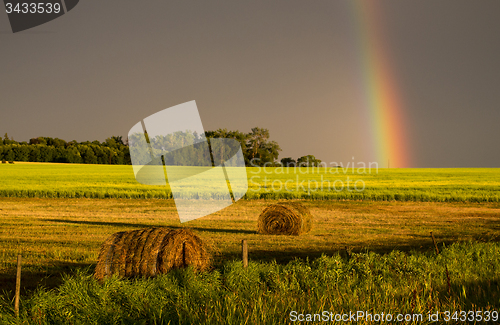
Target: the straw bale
(149, 252)
(285, 218)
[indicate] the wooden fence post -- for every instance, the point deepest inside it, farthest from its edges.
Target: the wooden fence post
(244, 252)
(446, 267)
(184, 254)
(18, 286)
(435, 245)
(347, 253)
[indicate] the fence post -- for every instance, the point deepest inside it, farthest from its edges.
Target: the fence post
(347, 253)
(435, 245)
(18, 286)
(244, 252)
(184, 254)
(446, 267)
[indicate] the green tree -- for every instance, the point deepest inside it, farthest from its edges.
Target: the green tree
(71, 143)
(35, 154)
(241, 137)
(111, 143)
(261, 151)
(256, 140)
(21, 152)
(100, 155)
(117, 156)
(114, 141)
(308, 161)
(6, 140)
(73, 155)
(127, 160)
(88, 155)
(257, 149)
(47, 153)
(288, 162)
(9, 153)
(39, 140)
(55, 142)
(61, 155)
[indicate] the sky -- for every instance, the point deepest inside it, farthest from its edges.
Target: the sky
(295, 67)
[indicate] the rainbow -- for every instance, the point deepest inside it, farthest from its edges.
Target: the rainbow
(388, 128)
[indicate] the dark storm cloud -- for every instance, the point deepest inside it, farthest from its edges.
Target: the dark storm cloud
(287, 66)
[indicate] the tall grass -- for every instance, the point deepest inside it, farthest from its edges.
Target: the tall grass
(269, 293)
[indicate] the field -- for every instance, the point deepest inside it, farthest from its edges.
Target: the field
(111, 181)
(57, 216)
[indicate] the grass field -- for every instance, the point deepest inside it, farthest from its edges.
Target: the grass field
(408, 287)
(385, 230)
(111, 181)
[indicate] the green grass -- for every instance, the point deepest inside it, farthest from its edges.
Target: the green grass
(270, 293)
(111, 181)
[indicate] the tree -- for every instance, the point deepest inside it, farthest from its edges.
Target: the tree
(9, 154)
(308, 161)
(288, 162)
(127, 160)
(35, 153)
(47, 153)
(56, 142)
(35, 141)
(21, 153)
(118, 140)
(100, 155)
(256, 147)
(88, 155)
(111, 143)
(6, 140)
(61, 155)
(74, 155)
(259, 150)
(256, 139)
(236, 135)
(117, 156)
(71, 143)
(269, 153)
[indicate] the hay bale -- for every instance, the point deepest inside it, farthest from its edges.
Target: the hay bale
(150, 252)
(286, 218)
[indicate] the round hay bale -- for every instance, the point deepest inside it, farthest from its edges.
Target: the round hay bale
(286, 218)
(150, 252)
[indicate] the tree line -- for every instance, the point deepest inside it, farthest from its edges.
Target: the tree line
(46, 149)
(257, 149)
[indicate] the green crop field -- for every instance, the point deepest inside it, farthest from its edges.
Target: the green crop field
(57, 216)
(111, 181)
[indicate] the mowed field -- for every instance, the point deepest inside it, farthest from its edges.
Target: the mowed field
(56, 235)
(57, 216)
